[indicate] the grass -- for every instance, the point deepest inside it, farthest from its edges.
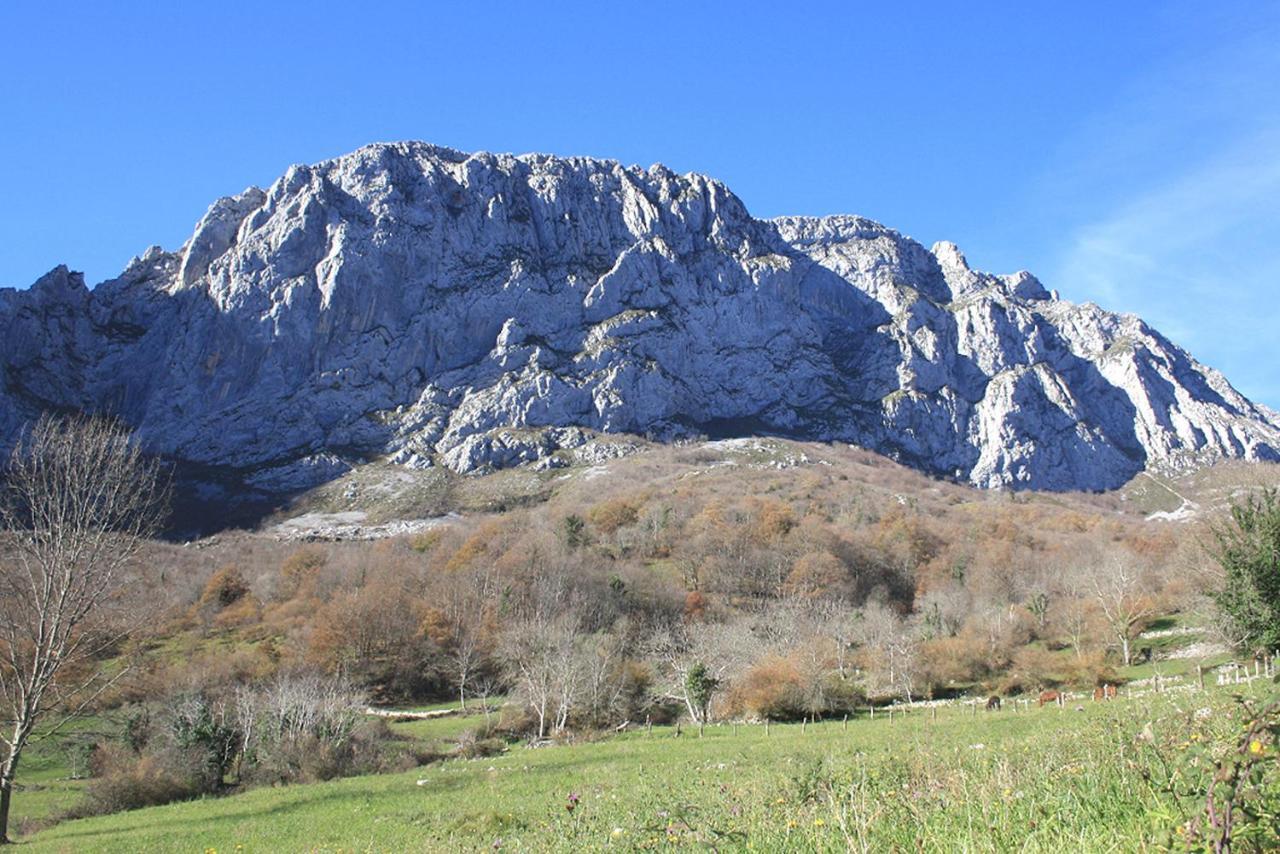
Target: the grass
(1048, 780)
(445, 729)
(52, 772)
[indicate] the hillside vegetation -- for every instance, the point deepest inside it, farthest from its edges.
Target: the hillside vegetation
(713, 586)
(1105, 777)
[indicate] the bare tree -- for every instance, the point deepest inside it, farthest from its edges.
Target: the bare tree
(1119, 587)
(892, 647)
(541, 652)
(840, 624)
(485, 687)
(720, 651)
(80, 501)
(460, 625)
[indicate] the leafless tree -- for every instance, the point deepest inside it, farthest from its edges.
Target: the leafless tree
(295, 706)
(1120, 587)
(724, 650)
(484, 688)
(602, 687)
(80, 499)
(465, 610)
(840, 624)
(893, 649)
(541, 652)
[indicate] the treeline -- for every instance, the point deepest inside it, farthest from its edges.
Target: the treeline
(655, 604)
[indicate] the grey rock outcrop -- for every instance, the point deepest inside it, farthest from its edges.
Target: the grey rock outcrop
(487, 310)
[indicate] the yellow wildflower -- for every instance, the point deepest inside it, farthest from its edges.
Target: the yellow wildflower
(818, 822)
(1255, 746)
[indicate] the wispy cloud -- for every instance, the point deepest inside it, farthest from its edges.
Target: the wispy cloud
(1190, 242)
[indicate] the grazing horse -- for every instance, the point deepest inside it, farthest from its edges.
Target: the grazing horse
(1049, 697)
(993, 703)
(1105, 691)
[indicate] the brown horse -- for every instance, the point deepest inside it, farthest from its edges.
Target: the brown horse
(1105, 691)
(993, 703)
(1047, 697)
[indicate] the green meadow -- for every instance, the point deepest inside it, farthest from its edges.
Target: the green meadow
(1117, 776)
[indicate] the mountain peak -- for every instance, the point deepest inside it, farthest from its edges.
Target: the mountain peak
(482, 310)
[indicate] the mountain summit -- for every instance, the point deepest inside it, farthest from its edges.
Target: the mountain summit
(482, 310)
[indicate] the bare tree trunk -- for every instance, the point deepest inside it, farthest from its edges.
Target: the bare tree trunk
(693, 710)
(8, 773)
(78, 501)
(6, 792)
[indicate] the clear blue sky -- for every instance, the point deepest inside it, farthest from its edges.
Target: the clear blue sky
(1127, 153)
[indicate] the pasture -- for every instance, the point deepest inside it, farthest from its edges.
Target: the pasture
(1113, 776)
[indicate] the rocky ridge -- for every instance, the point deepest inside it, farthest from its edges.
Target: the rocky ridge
(479, 310)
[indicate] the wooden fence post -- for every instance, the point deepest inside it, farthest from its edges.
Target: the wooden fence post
(844, 725)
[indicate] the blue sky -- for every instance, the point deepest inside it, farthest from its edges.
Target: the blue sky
(1126, 153)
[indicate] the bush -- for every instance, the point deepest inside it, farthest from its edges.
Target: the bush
(610, 516)
(1248, 549)
(1033, 669)
(204, 734)
(298, 573)
(224, 587)
(1090, 670)
(124, 780)
(473, 745)
(843, 695)
(772, 688)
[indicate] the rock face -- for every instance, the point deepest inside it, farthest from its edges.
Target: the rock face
(488, 310)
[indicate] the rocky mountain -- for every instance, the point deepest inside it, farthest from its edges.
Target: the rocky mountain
(490, 310)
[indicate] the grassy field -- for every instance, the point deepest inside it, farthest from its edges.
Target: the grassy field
(1048, 780)
(52, 775)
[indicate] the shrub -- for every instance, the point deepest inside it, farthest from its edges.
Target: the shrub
(298, 572)
(204, 735)
(816, 575)
(610, 516)
(224, 587)
(1033, 669)
(1089, 670)
(472, 745)
(124, 780)
(771, 688)
(1248, 549)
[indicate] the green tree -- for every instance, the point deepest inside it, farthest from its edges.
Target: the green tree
(1038, 605)
(1248, 549)
(699, 686)
(574, 531)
